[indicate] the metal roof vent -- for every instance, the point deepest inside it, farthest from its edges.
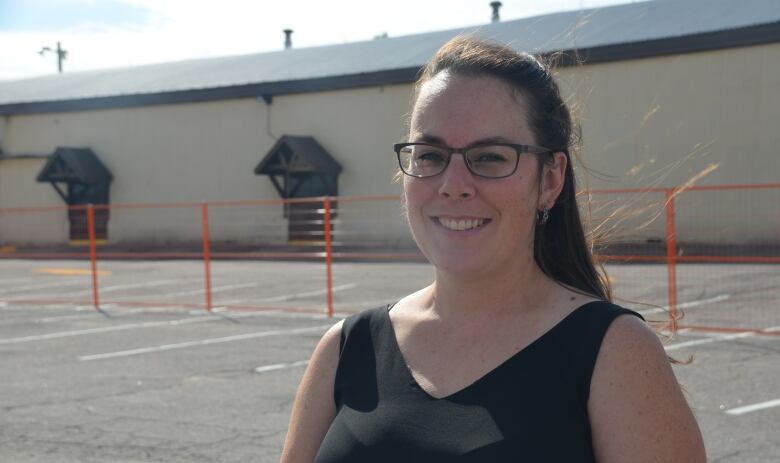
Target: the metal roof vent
(496, 6)
(288, 39)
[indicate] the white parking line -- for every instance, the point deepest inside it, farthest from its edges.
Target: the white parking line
(202, 342)
(63, 317)
(198, 313)
(716, 338)
(317, 292)
(754, 407)
(60, 284)
(698, 342)
(215, 289)
(7, 281)
(285, 297)
(107, 329)
(686, 305)
(129, 326)
(14, 306)
(105, 307)
(280, 366)
(112, 288)
(290, 297)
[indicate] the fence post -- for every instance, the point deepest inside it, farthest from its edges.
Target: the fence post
(671, 257)
(204, 218)
(328, 257)
(93, 253)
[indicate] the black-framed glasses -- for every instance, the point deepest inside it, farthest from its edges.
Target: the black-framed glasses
(490, 160)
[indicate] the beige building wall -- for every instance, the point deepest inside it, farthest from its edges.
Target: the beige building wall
(664, 121)
(207, 152)
(46, 219)
(646, 123)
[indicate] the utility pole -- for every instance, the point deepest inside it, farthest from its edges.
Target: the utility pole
(61, 55)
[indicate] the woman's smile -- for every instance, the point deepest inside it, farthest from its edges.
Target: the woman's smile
(460, 223)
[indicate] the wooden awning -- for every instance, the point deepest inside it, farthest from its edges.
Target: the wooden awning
(75, 165)
(87, 178)
(300, 167)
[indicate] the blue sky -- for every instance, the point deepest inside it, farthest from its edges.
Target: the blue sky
(118, 33)
(62, 15)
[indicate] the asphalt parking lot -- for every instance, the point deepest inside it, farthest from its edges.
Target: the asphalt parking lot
(153, 377)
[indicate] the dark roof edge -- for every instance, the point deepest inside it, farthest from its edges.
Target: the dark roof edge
(731, 38)
(259, 91)
(706, 41)
(23, 156)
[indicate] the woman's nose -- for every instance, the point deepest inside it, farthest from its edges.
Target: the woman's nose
(456, 180)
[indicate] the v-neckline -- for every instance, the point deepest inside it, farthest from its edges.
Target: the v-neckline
(491, 372)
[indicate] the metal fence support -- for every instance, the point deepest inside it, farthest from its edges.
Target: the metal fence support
(328, 256)
(204, 218)
(671, 258)
(93, 254)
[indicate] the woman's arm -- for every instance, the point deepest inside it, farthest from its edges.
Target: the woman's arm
(314, 407)
(637, 410)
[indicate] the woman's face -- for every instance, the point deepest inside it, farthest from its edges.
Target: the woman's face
(458, 111)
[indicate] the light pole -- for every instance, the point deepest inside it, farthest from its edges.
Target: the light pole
(61, 55)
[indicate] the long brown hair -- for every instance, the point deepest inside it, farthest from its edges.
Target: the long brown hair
(560, 246)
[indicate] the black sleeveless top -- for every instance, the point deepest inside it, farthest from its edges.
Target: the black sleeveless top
(531, 408)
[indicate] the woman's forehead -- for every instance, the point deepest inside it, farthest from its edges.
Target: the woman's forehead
(463, 106)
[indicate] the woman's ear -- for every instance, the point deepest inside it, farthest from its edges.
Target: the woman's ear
(553, 177)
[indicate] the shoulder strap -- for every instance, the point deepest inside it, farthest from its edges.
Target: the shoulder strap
(361, 322)
(356, 374)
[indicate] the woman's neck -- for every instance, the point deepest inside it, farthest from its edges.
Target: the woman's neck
(461, 297)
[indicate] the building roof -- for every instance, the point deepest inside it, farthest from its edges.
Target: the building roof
(629, 31)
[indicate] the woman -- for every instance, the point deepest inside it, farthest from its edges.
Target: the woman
(513, 353)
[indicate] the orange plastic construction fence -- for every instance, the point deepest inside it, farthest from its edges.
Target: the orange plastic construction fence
(711, 252)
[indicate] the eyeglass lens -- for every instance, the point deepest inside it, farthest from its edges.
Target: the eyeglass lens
(484, 160)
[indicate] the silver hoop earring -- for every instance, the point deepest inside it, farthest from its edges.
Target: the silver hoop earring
(543, 216)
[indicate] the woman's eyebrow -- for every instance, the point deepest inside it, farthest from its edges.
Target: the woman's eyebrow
(428, 138)
(496, 139)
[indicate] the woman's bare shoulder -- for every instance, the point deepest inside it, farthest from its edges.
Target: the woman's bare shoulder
(331, 337)
(314, 407)
(324, 360)
(636, 406)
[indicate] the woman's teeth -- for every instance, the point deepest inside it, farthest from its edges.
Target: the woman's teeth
(461, 224)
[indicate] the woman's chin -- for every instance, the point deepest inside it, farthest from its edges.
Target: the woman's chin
(472, 268)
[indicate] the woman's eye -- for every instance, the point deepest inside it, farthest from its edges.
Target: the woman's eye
(430, 156)
(490, 157)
